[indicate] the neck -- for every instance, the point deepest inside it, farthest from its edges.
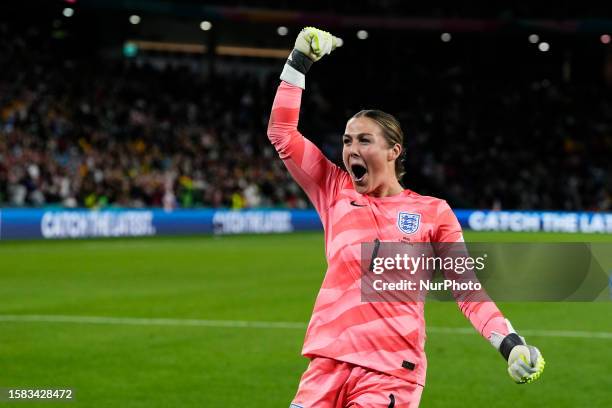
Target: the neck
(387, 189)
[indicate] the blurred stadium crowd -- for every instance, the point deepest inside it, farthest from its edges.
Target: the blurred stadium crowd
(85, 132)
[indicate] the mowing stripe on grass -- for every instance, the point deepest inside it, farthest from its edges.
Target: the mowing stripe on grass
(138, 321)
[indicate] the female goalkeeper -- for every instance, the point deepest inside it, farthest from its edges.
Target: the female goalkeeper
(369, 354)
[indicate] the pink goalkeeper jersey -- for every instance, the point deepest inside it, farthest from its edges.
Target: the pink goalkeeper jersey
(386, 337)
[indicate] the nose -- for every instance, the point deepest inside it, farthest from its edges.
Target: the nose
(354, 150)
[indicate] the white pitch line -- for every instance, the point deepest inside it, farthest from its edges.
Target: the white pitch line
(137, 321)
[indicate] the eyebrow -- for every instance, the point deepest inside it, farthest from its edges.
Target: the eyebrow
(357, 135)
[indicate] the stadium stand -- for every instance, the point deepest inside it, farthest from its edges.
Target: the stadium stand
(76, 131)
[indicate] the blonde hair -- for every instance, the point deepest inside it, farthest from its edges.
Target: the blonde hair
(392, 132)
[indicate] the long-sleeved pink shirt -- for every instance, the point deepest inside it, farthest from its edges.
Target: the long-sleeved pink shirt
(388, 337)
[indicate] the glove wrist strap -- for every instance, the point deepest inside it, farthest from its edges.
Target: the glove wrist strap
(299, 61)
(296, 68)
(508, 343)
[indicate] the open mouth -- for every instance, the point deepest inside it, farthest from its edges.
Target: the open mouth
(359, 172)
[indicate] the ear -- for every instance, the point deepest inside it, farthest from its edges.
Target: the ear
(394, 152)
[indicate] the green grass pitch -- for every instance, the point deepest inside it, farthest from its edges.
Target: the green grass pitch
(136, 363)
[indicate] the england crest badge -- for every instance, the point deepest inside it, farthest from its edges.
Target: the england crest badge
(407, 222)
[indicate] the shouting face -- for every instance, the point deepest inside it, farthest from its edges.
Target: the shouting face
(368, 156)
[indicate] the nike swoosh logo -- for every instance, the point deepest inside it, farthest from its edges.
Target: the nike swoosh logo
(357, 205)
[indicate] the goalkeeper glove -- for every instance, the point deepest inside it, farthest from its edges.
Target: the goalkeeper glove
(525, 363)
(311, 45)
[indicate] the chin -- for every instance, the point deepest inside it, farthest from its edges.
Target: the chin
(361, 189)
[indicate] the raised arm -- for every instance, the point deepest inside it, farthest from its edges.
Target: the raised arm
(308, 166)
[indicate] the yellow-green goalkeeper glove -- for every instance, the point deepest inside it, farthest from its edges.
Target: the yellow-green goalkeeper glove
(525, 363)
(311, 45)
